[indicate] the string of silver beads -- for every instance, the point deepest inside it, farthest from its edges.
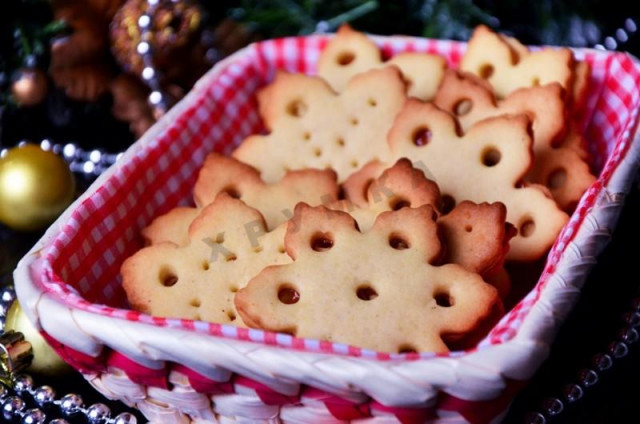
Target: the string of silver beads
(12, 400)
(90, 163)
(586, 378)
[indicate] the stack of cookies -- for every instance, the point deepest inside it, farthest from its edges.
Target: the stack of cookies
(381, 206)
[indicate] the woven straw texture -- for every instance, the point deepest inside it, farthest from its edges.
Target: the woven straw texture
(180, 370)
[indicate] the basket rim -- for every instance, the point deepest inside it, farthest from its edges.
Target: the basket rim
(33, 291)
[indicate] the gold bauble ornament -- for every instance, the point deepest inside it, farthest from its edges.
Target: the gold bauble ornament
(35, 187)
(30, 87)
(45, 360)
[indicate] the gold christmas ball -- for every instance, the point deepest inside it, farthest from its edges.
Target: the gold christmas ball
(35, 187)
(30, 87)
(45, 360)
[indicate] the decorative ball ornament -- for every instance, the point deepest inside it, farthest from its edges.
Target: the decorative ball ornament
(166, 27)
(30, 87)
(45, 360)
(35, 187)
(164, 44)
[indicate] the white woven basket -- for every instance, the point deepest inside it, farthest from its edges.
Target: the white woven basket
(181, 371)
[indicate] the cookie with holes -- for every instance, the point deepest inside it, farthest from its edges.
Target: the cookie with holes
(565, 174)
(563, 171)
(508, 65)
(471, 100)
(374, 189)
(173, 226)
(274, 201)
(228, 245)
(312, 126)
(476, 236)
(578, 85)
(485, 164)
(351, 52)
(375, 289)
(579, 91)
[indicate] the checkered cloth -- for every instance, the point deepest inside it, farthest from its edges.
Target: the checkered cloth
(81, 265)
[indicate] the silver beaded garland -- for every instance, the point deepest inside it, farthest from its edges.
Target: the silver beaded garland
(70, 404)
(98, 413)
(618, 349)
(573, 393)
(43, 395)
(150, 76)
(620, 36)
(602, 362)
(629, 335)
(88, 162)
(553, 406)
(33, 416)
(124, 418)
(94, 162)
(7, 296)
(22, 383)
(535, 418)
(12, 407)
(633, 319)
(588, 378)
(157, 99)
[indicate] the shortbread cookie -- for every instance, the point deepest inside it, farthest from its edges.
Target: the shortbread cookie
(501, 280)
(563, 172)
(351, 52)
(313, 127)
(486, 164)
(475, 236)
(508, 65)
(471, 100)
(374, 190)
(274, 201)
(581, 72)
(579, 91)
(228, 245)
(172, 226)
(575, 141)
(376, 289)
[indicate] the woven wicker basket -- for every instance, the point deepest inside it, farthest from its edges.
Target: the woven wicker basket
(180, 371)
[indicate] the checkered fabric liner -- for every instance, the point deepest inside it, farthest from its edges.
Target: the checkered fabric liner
(81, 265)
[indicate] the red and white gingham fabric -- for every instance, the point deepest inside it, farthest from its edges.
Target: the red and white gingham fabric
(81, 264)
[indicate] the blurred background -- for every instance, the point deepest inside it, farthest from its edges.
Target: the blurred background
(83, 79)
(70, 70)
